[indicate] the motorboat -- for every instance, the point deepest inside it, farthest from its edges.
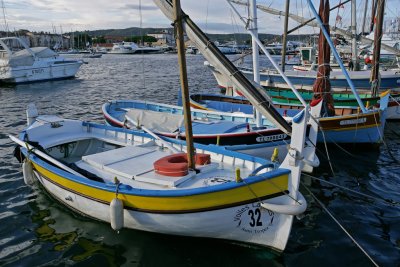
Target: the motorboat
(19, 63)
(123, 48)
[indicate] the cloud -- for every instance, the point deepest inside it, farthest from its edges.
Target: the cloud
(138, 7)
(213, 16)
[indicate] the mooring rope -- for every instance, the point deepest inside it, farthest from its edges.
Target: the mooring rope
(340, 225)
(389, 201)
(394, 100)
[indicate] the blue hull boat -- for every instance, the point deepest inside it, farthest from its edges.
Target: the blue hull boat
(352, 128)
(209, 127)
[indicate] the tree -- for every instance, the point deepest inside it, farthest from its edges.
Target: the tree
(139, 39)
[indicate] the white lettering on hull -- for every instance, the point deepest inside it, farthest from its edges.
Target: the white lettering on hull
(355, 121)
(262, 139)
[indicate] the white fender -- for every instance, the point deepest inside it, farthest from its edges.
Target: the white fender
(116, 214)
(291, 209)
(27, 171)
(314, 163)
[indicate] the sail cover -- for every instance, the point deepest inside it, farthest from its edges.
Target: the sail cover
(254, 93)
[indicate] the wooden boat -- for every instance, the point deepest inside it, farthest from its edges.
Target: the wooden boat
(131, 180)
(220, 128)
(141, 181)
(345, 102)
(350, 128)
(390, 79)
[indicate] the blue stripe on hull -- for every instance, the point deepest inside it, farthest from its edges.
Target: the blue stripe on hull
(369, 135)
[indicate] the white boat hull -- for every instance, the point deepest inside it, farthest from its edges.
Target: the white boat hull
(39, 72)
(128, 52)
(248, 223)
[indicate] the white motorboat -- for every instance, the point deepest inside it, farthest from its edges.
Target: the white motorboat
(19, 63)
(124, 48)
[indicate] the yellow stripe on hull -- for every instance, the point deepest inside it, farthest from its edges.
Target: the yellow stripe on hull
(196, 106)
(176, 204)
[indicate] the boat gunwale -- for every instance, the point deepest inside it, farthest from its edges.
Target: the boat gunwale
(129, 190)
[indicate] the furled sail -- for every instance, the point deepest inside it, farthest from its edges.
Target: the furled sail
(322, 85)
(254, 93)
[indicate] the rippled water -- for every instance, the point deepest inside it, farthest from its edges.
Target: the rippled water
(36, 230)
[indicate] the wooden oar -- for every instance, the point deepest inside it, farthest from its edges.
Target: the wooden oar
(44, 155)
(154, 135)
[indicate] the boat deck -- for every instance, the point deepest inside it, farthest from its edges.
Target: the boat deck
(134, 166)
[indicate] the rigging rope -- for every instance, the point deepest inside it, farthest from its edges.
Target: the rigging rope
(340, 225)
(208, 4)
(142, 41)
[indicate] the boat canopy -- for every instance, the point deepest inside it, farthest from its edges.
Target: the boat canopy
(156, 121)
(24, 57)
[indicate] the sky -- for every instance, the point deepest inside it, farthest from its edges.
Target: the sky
(213, 16)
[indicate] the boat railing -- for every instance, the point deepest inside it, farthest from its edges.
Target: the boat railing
(119, 136)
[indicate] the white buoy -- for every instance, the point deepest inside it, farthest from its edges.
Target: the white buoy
(116, 214)
(31, 113)
(27, 171)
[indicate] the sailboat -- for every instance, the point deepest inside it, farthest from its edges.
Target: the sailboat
(305, 79)
(390, 79)
(354, 127)
(238, 133)
(136, 180)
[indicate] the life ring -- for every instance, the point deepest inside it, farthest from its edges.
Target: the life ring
(177, 164)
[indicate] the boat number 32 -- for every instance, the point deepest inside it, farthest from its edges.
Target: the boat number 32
(255, 217)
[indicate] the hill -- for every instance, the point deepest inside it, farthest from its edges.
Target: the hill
(239, 38)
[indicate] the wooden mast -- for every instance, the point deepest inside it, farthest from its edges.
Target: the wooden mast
(256, 56)
(364, 18)
(322, 85)
(375, 79)
(184, 83)
(284, 39)
(354, 57)
(373, 11)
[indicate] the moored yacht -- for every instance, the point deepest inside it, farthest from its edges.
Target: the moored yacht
(19, 63)
(124, 48)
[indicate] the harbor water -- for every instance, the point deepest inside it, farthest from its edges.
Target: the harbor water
(36, 230)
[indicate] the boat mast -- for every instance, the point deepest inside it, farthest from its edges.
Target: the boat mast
(311, 23)
(254, 93)
(256, 53)
(373, 11)
(262, 47)
(365, 16)
(284, 40)
(354, 57)
(335, 53)
(322, 85)
(184, 83)
(375, 79)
